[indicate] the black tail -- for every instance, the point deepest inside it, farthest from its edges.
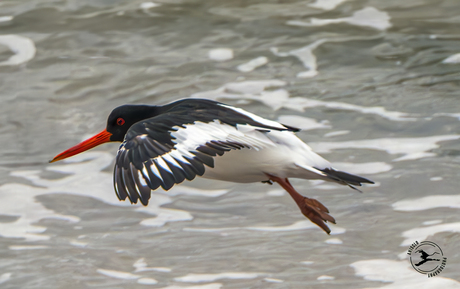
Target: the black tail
(346, 178)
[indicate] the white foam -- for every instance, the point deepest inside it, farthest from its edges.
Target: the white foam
(253, 86)
(454, 115)
(197, 278)
(220, 54)
(147, 281)
(115, 9)
(301, 103)
(306, 56)
(432, 222)
(422, 233)
(140, 263)
(5, 277)
(28, 211)
(156, 269)
(148, 5)
(435, 179)
(118, 274)
(243, 90)
(84, 178)
(249, 90)
(276, 193)
(6, 18)
(300, 225)
(366, 17)
(326, 4)
(22, 47)
(273, 280)
(400, 273)
(410, 148)
(334, 241)
(325, 277)
(428, 202)
(453, 59)
(336, 133)
(26, 247)
(164, 216)
(279, 98)
(252, 64)
(301, 122)
(141, 266)
(78, 244)
(307, 262)
(326, 187)
(207, 286)
(210, 230)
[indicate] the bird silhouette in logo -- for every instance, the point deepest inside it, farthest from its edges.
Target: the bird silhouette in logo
(424, 255)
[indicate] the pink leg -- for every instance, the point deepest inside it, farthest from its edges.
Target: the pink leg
(311, 208)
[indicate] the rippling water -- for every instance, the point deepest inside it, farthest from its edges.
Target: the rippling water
(373, 84)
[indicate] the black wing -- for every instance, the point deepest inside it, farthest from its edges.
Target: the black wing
(177, 144)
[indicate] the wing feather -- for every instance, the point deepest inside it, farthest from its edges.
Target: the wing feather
(129, 185)
(166, 174)
(154, 175)
(119, 184)
(140, 185)
(167, 149)
(176, 170)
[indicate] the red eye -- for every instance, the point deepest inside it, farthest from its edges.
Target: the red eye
(120, 121)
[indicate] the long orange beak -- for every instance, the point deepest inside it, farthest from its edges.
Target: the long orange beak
(100, 138)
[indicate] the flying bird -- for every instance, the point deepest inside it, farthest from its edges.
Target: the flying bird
(162, 146)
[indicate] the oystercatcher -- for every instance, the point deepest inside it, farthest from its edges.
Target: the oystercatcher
(165, 145)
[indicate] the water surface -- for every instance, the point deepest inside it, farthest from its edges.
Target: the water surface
(373, 84)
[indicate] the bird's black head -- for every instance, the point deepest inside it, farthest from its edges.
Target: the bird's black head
(120, 120)
(123, 117)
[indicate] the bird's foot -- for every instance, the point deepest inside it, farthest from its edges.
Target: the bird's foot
(267, 182)
(310, 208)
(316, 212)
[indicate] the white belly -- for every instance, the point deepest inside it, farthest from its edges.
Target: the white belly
(240, 166)
(248, 166)
(286, 156)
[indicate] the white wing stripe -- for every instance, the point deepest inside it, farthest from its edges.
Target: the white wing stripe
(170, 160)
(178, 157)
(145, 172)
(197, 134)
(154, 170)
(141, 178)
(256, 118)
(161, 162)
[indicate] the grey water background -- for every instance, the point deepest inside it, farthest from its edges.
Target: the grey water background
(92, 56)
